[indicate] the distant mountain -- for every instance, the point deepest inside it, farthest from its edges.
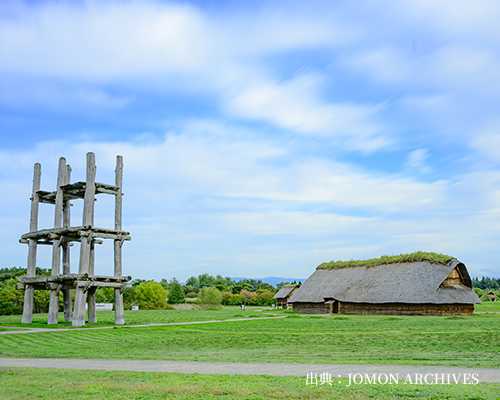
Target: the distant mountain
(272, 280)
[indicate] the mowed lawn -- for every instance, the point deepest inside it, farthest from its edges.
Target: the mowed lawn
(107, 318)
(25, 383)
(455, 341)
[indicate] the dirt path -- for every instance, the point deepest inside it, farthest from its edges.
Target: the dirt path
(274, 369)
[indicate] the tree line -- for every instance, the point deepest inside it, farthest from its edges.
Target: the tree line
(486, 283)
(205, 290)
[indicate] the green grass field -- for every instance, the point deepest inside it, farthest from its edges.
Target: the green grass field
(24, 383)
(456, 341)
(488, 306)
(461, 341)
(107, 318)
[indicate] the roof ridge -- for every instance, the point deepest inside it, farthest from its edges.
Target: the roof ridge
(385, 260)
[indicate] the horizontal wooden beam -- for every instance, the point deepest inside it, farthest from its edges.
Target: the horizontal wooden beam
(67, 278)
(76, 190)
(75, 234)
(96, 284)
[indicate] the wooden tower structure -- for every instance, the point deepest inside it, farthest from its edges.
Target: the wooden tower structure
(85, 282)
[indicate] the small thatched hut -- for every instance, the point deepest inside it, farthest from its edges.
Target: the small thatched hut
(284, 294)
(491, 296)
(410, 284)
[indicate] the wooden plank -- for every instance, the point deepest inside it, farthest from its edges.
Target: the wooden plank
(73, 277)
(73, 233)
(98, 284)
(46, 242)
(105, 278)
(114, 236)
(46, 197)
(58, 278)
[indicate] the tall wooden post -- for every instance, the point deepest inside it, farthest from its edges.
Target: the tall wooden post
(86, 240)
(119, 312)
(92, 316)
(32, 243)
(68, 307)
(56, 242)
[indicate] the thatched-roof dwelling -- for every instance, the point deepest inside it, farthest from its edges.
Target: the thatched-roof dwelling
(284, 294)
(412, 284)
(491, 296)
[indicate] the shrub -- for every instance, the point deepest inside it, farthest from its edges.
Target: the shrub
(210, 298)
(150, 296)
(266, 298)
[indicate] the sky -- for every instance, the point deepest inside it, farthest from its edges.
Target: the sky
(259, 138)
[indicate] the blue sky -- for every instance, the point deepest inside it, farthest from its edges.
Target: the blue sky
(259, 138)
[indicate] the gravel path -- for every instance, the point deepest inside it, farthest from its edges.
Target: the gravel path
(274, 369)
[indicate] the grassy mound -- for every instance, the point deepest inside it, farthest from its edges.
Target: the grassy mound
(402, 258)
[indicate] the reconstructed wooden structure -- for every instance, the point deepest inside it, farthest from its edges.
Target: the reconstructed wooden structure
(403, 288)
(61, 237)
(284, 294)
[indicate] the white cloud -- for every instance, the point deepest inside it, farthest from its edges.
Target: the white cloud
(296, 105)
(488, 143)
(102, 40)
(416, 160)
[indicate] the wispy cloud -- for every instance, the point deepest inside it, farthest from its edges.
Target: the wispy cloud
(296, 105)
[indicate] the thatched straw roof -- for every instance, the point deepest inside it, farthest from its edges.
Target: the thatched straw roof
(404, 282)
(285, 291)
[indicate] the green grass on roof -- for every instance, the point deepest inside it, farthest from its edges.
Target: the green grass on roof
(402, 258)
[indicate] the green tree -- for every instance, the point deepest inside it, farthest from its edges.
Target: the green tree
(265, 286)
(266, 299)
(137, 282)
(220, 283)
(238, 287)
(11, 299)
(175, 292)
(105, 295)
(164, 283)
(249, 298)
(193, 281)
(190, 289)
(150, 296)
(128, 298)
(206, 280)
(225, 297)
(210, 298)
